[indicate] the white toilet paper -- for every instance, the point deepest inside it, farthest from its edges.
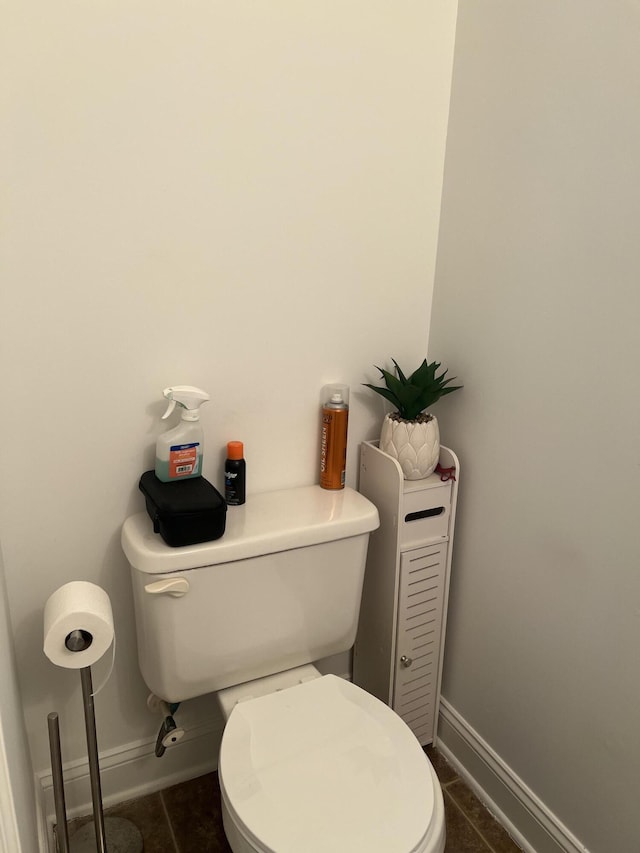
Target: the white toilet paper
(82, 607)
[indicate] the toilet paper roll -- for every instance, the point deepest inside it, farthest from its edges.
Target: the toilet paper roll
(78, 625)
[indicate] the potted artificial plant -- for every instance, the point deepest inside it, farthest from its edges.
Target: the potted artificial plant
(410, 434)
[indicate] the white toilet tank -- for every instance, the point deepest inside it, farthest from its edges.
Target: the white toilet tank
(281, 588)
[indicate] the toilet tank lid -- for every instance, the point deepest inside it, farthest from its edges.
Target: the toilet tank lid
(266, 523)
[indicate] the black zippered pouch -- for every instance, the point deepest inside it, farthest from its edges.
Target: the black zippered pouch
(185, 512)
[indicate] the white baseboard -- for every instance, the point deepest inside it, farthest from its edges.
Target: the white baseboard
(528, 820)
(131, 771)
(42, 830)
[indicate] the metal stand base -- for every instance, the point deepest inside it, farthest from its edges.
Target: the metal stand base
(122, 837)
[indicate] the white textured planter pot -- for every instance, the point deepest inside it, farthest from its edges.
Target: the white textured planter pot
(415, 445)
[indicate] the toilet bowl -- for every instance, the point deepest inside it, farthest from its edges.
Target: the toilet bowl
(324, 766)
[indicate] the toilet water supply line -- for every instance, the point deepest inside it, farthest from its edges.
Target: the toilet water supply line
(170, 733)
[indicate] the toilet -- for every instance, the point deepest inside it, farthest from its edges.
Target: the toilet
(308, 762)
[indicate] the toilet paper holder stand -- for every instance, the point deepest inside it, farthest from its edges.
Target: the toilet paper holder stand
(94, 836)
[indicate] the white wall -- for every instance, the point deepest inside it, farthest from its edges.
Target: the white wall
(537, 310)
(18, 818)
(242, 196)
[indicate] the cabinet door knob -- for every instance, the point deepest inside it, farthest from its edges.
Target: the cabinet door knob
(405, 661)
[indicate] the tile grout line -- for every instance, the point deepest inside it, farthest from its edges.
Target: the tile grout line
(171, 832)
(487, 843)
(450, 784)
(471, 824)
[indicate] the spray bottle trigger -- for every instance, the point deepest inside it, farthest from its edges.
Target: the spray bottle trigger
(170, 408)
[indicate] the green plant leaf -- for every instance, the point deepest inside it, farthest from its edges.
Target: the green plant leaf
(384, 392)
(394, 384)
(425, 373)
(401, 375)
(417, 393)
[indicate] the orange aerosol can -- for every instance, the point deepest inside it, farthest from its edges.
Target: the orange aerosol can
(333, 440)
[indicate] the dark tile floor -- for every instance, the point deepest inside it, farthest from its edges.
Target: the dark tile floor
(186, 818)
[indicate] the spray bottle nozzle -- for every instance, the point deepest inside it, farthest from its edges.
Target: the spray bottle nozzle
(188, 397)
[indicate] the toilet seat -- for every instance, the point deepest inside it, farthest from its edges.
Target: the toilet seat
(326, 766)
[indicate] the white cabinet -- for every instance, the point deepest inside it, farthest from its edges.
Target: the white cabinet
(400, 642)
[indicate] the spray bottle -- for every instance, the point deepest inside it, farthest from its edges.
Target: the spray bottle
(179, 451)
(333, 437)
(235, 474)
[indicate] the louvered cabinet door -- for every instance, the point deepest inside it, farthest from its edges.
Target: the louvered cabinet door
(419, 628)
